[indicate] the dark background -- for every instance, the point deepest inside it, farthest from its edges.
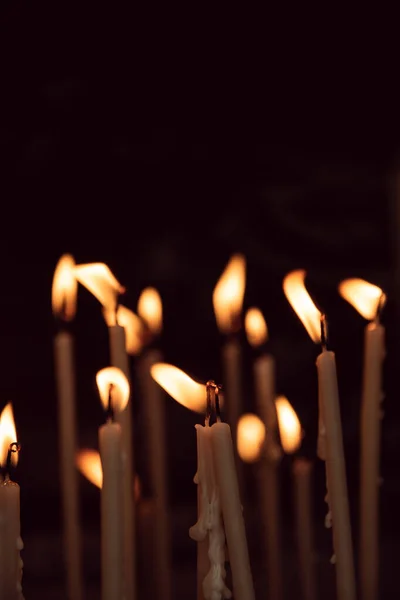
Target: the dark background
(161, 151)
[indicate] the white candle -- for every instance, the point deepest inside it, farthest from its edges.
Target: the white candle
(64, 305)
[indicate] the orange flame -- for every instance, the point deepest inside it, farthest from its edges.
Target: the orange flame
(365, 297)
(98, 279)
(250, 437)
(228, 294)
(303, 306)
(180, 386)
(8, 435)
(131, 323)
(256, 327)
(289, 425)
(89, 464)
(112, 380)
(64, 289)
(150, 309)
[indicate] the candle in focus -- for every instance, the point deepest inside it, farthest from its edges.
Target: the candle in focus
(330, 438)
(10, 528)
(114, 393)
(64, 293)
(368, 300)
(291, 435)
(153, 409)
(228, 301)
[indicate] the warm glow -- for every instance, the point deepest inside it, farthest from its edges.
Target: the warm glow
(180, 386)
(112, 379)
(131, 323)
(89, 464)
(64, 289)
(8, 435)
(98, 279)
(250, 437)
(256, 327)
(364, 296)
(228, 294)
(289, 425)
(303, 306)
(150, 309)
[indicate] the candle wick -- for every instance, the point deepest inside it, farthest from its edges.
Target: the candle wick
(380, 305)
(14, 447)
(213, 406)
(324, 332)
(110, 410)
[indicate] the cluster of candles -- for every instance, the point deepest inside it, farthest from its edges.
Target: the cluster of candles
(222, 447)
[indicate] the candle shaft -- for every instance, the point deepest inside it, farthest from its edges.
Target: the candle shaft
(226, 478)
(336, 475)
(302, 473)
(119, 358)
(112, 571)
(264, 383)
(370, 455)
(65, 379)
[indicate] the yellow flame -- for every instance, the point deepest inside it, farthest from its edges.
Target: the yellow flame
(229, 292)
(250, 437)
(8, 435)
(364, 296)
(99, 280)
(256, 327)
(289, 425)
(131, 323)
(150, 309)
(64, 288)
(112, 380)
(180, 386)
(89, 464)
(304, 307)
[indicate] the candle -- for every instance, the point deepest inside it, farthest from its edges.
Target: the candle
(64, 292)
(368, 299)
(10, 529)
(291, 435)
(218, 485)
(330, 433)
(228, 300)
(154, 422)
(114, 393)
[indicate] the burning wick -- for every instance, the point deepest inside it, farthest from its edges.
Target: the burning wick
(110, 410)
(213, 407)
(324, 332)
(14, 447)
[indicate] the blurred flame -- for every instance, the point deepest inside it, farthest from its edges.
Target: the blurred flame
(131, 323)
(113, 379)
(180, 386)
(229, 292)
(64, 288)
(289, 425)
(98, 279)
(364, 296)
(304, 307)
(150, 309)
(256, 327)
(250, 437)
(8, 435)
(89, 464)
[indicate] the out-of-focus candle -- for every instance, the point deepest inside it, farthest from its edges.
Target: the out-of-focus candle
(330, 433)
(368, 300)
(10, 528)
(64, 292)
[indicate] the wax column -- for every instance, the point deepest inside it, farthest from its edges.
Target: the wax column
(369, 299)
(64, 293)
(10, 535)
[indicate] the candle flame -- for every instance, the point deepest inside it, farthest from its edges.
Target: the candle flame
(256, 327)
(250, 437)
(150, 309)
(364, 296)
(8, 435)
(289, 425)
(228, 294)
(112, 380)
(303, 306)
(64, 288)
(180, 386)
(131, 323)
(99, 280)
(89, 464)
